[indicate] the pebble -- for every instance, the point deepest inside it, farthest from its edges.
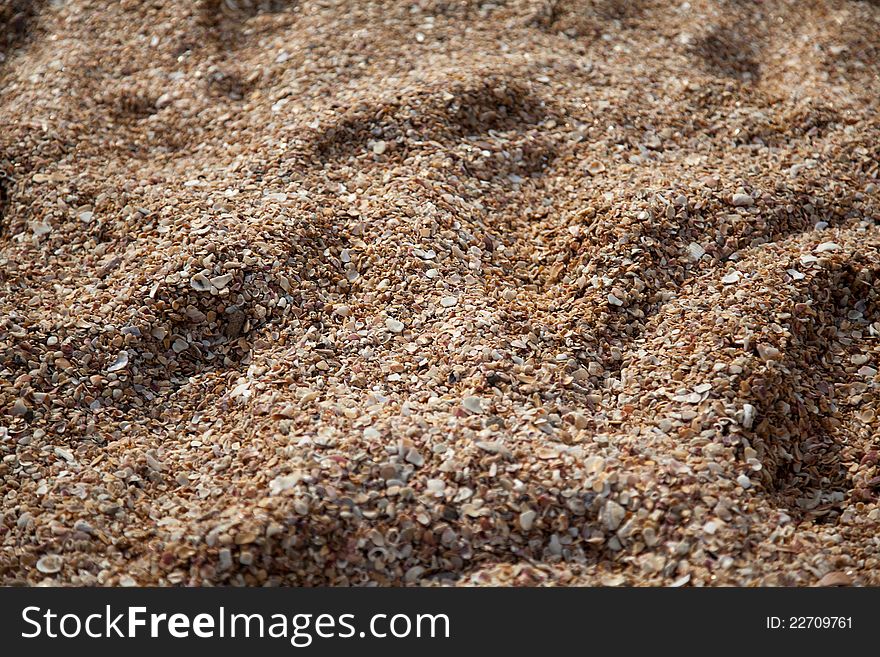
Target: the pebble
(748, 416)
(448, 302)
(768, 352)
(63, 453)
(743, 200)
(527, 520)
(220, 282)
(473, 404)
(612, 515)
(393, 325)
(50, 564)
(413, 574)
(19, 408)
(200, 283)
(827, 247)
(744, 481)
(835, 578)
(435, 485)
(414, 457)
(224, 559)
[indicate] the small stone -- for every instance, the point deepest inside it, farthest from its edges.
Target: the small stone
(612, 515)
(448, 302)
(473, 404)
(742, 200)
(413, 574)
(580, 420)
(179, 345)
(220, 282)
(867, 371)
(235, 322)
(744, 481)
(835, 578)
(50, 564)
(393, 325)
(63, 453)
(19, 408)
(527, 520)
(200, 283)
(768, 352)
(731, 278)
(195, 315)
(494, 447)
(41, 228)
(825, 247)
(284, 482)
(413, 456)
(83, 526)
(378, 147)
(748, 416)
(594, 465)
(224, 557)
(614, 301)
(435, 485)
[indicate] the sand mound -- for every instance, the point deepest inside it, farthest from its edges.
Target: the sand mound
(522, 292)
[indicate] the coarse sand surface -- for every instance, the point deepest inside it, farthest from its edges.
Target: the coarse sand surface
(439, 292)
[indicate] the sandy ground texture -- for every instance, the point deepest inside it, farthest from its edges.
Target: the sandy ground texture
(439, 292)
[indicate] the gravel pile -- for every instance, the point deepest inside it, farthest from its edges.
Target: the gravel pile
(430, 293)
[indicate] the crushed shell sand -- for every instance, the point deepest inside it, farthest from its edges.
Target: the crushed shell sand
(526, 292)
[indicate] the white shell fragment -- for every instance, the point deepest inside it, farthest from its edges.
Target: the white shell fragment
(220, 282)
(120, 363)
(695, 251)
(394, 325)
(200, 283)
(50, 564)
(473, 404)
